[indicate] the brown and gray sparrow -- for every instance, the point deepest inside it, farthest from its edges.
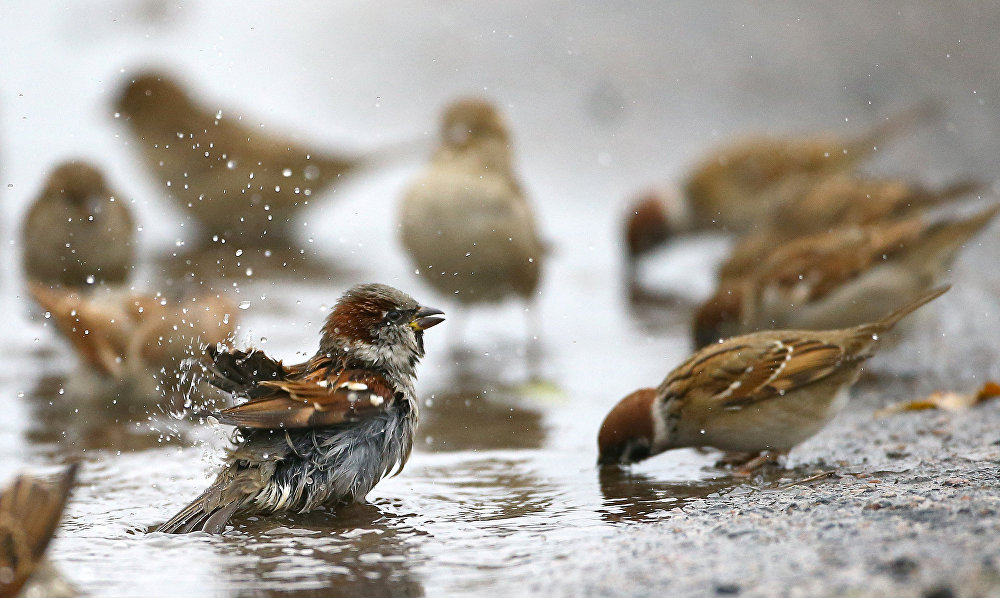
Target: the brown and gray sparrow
(731, 188)
(30, 511)
(837, 279)
(136, 339)
(78, 232)
(736, 186)
(235, 180)
(762, 392)
(833, 202)
(323, 432)
(465, 222)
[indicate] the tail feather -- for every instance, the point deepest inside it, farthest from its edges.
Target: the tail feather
(942, 240)
(861, 338)
(949, 192)
(889, 322)
(958, 231)
(197, 514)
(897, 124)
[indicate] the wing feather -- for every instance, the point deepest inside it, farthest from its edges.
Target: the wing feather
(313, 401)
(736, 373)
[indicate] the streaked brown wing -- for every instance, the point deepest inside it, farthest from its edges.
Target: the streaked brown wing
(812, 267)
(744, 371)
(314, 401)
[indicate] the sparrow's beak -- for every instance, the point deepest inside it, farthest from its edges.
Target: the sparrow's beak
(425, 318)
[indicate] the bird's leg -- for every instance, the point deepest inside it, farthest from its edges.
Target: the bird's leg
(761, 460)
(746, 464)
(533, 340)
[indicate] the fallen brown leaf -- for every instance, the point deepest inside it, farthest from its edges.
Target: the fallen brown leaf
(945, 400)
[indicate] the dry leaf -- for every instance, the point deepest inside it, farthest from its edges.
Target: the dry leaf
(945, 400)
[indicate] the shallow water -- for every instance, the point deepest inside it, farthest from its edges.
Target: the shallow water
(502, 485)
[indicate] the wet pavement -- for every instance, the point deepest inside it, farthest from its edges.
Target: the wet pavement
(502, 494)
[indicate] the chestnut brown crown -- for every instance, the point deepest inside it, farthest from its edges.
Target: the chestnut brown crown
(719, 317)
(647, 225)
(377, 314)
(626, 436)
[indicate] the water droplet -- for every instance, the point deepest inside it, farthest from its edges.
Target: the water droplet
(245, 304)
(286, 172)
(90, 279)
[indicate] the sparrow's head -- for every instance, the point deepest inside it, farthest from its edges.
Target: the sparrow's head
(719, 317)
(470, 121)
(78, 182)
(652, 219)
(380, 326)
(150, 95)
(627, 433)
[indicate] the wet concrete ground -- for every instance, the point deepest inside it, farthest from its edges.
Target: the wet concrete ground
(905, 506)
(502, 494)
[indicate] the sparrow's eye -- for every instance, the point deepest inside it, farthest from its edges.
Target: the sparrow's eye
(394, 316)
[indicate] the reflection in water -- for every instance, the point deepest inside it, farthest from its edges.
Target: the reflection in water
(469, 420)
(357, 551)
(101, 417)
(500, 491)
(662, 315)
(630, 497)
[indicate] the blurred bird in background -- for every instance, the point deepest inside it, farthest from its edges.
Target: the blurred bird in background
(238, 182)
(834, 202)
(465, 222)
(737, 187)
(78, 232)
(30, 511)
(131, 344)
(839, 278)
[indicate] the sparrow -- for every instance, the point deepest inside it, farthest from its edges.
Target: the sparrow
(78, 232)
(763, 392)
(30, 511)
(325, 431)
(737, 185)
(836, 279)
(728, 187)
(138, 340)
(833, 202)
(236, 180)
(465, 222)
